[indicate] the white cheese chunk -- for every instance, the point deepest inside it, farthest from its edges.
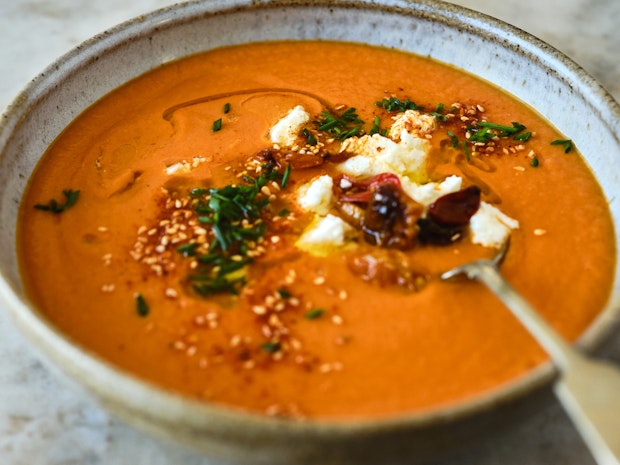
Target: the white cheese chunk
(426, 194)
(285, 131)
(378, 154)
(490, 227)
(324, 235)
(317, 196)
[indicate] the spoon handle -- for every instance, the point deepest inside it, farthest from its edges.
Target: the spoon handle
(588, 389)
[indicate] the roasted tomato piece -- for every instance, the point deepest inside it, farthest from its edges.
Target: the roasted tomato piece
(391, 217)
(457, 208)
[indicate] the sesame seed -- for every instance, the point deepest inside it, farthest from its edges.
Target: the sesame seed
(540, 232)
(337, 320)
(319, 280)
(259, 309)
(325, 368)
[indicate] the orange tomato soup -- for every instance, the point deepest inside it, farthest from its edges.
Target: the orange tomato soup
(141, 268)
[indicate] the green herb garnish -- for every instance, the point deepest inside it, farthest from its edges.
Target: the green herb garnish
(534, 162)
(397, 105)
(523, 136)
(217, 125)
(567, 144)
(53, 206)
(234, 216)
(376, 127)
(484, 131)
(226, 108)
(188, 250)
(310, 139)
(142, 308)
(284, 294)
(286, 176)
(271, 347)
(438, 113)
(453, 139)
(314, 314)
(342, 126)
(466, 150)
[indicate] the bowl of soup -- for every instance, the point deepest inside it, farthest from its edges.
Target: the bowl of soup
(228, 220)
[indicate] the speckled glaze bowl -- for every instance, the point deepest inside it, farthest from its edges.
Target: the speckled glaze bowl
(521, 64)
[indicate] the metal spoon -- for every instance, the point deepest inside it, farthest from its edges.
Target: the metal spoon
(588, 389)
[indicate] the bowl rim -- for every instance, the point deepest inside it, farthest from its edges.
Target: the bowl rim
(199, 415)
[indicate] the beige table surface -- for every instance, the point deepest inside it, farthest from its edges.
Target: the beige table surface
(44, 419)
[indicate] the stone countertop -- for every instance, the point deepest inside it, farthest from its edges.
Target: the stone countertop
(46, 419)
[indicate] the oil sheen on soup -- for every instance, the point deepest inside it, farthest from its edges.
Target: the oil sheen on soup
(264, 226)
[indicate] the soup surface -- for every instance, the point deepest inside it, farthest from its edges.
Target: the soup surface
(264, 226)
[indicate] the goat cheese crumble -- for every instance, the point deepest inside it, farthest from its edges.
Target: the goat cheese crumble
(403, 152)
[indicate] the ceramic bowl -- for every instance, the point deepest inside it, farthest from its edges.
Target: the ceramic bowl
(506, 56)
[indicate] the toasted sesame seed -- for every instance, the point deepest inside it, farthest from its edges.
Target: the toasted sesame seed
(540, 232)
(171, 293)
(259, 309)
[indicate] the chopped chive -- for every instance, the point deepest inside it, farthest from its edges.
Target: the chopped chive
(466, 150)
(342, 126)
(453, 139)
(523, 137)
(198, 192)
(53, 206)
(188, 250)
(310, 139)
(226, 108)
(270, 347)
(376, 127)
(283, 293)
(142, 307)
(314, 314)
(397, 105)
(567, 144)
(284, 212)
(217, 125)
(286, 176)
(534, 162)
